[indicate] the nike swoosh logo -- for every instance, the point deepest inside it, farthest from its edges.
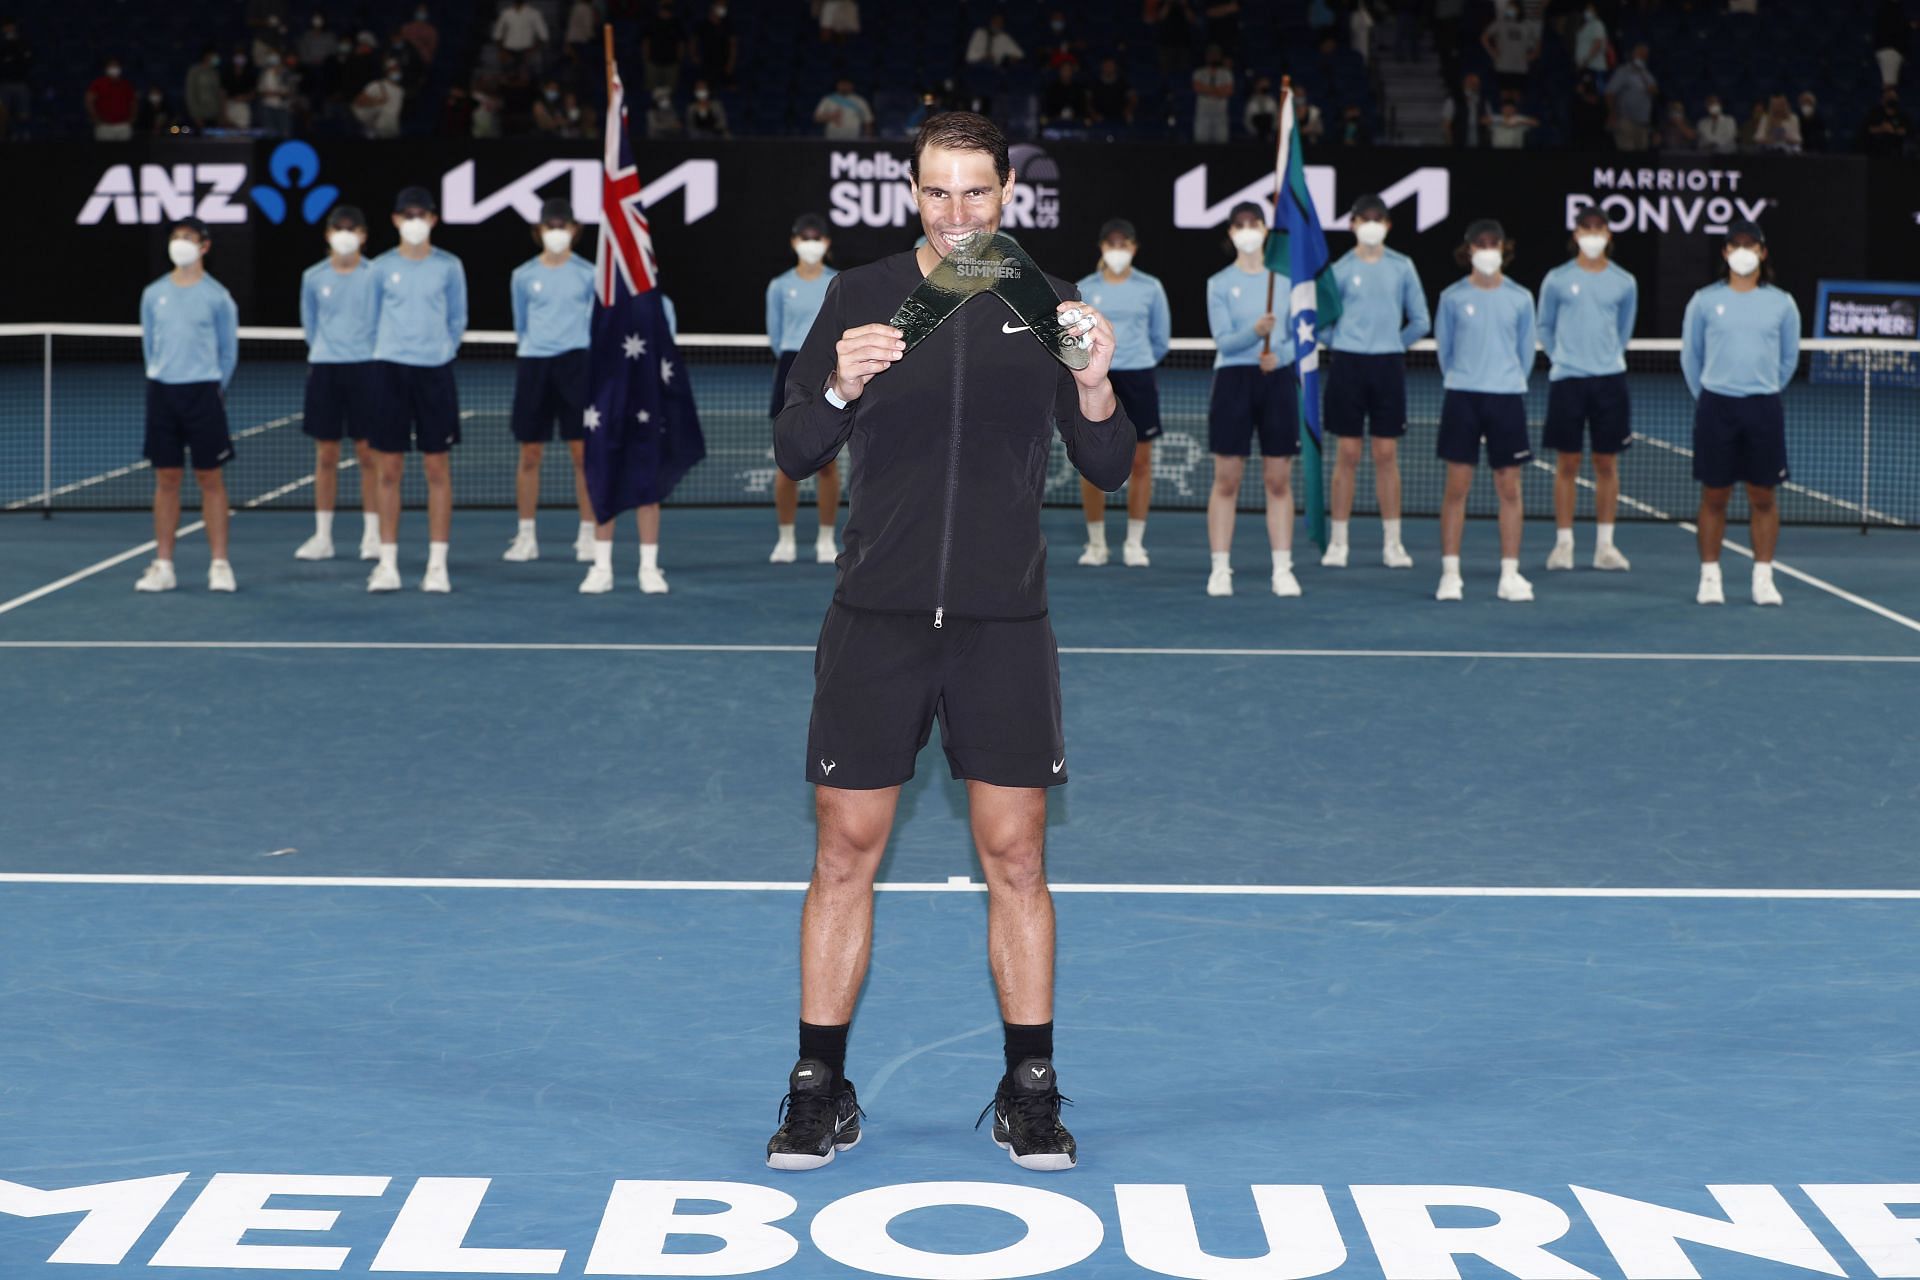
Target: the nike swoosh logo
(1059, 764)
(1010, 328)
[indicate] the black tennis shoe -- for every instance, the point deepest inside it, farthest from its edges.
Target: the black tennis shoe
(1026, 1119)
(818, 1117)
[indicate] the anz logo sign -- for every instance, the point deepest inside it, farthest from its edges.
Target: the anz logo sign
(1428, 188)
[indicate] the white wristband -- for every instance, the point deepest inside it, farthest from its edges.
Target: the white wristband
(835, 400)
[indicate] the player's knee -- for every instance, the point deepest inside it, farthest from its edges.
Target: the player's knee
(1760, 500)
(1385, 452)
(1142, 466)
(329, 453)
(530, 456)
(1605, 465)
(1568, 464)
(211, 482)
(1226, 480)
(1347, 452)
(1715, 499)
(167, 479)
(1016, 861)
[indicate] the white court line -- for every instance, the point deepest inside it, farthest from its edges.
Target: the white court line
(142, 465)
(429, 646)
(99, 566)
(958, 884)
(1792, 485)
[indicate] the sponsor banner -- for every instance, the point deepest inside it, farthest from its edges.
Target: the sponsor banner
(1868, 309)
(720, 213)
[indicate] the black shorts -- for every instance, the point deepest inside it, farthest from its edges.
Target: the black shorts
(550, 389)
(780, 373)
(1138, 391)
(1739, 440)
(185, 417)
(881, 679)
(1365, 391)
(1468, 417)
(341, 400)
(418, 405)
(1246, 401)
(1577, 406)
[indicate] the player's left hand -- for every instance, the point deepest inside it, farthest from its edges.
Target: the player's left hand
(1101, 356)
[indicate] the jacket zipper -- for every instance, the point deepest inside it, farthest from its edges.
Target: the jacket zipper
(953, 478)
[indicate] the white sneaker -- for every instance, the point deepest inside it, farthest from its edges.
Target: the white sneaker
(1561, 557)
(783, 553)
(825, 552)
(524, 547)
(436, 580)
(220, 576)
(1134, 555)
(583, 549)
(1451, 588)
(1514, 588)
(1710, 592)
(383, 578)
(598, 582)
(1395, 556)
(1284, 583)
(1093, 557)
(318, 547)
(1611, 559)
(1764, 592)
(1335, 556)
(653, 582)
(370, 546)
(1220, 582)
(157, 577)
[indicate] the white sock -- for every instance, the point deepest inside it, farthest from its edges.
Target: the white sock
(1136, 532)
(1763, 571)
(1449, 566)
(1339, 535)
(1509, 568)
(649, 555)
(1603, 534)
(1222, 560)
(1710, 572)
(222, 564)
(1564, 538)
(323, 524)
(586, 532)
(1097, 535)
(526, 528)
(166, 564)
(825, 536)
(436, 555)
(1390, 529)
(1283, 560)
(786, 535)
(603, 554)
(369, 524)
(390, 556)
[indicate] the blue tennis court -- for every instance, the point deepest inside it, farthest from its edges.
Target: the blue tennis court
(454, 935)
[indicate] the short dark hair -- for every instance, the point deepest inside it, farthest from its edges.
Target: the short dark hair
(1463, 252)
(962, 131)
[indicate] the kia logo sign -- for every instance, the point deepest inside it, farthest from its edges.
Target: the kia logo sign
(1429, 188)
(699, 179)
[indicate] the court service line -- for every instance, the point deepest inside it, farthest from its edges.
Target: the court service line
(142, 465)
(959, 884)
(99, 566)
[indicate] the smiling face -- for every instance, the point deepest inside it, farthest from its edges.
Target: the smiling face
(959, 194)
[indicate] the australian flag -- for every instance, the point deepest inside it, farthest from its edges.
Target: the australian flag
(642, 429)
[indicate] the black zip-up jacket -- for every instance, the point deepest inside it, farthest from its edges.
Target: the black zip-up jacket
(950, 450)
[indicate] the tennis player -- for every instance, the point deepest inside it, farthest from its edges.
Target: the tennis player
(793, 300)
(423, 315)
(1587, 309)
(1136, 305)
(1383, 311)
(338, 312)
(553, 321)
(1739, 346)
(1484, 335)
(939, 612)
(190, 340)
(1255, 392)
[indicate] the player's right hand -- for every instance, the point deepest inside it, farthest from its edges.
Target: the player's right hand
(862, 352)
(1264, 325)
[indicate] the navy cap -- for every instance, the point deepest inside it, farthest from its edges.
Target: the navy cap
(555, 209)
(1118, 227)
(1246, 206)
(415, 198)
(1592, 213)
(1746, 227)
(811, 224)
(1484, 227)
(346, 215)
(1369, 206)
(192, 224)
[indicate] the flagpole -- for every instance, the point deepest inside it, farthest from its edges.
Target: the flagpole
(606, 32)
(1279, 171)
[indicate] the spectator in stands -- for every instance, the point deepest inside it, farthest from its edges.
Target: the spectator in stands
(583, 33)
(991, 44)
(413, 72)
(1716, 131)
(580, 121)
(664, 45)
(1113, 99)
(1212, 88)
(706, 117)
(1460, 115)
(1223, 26)
(154, 118)
(1307, 116)
(1061, 46)
(206, 99)
(1592, 52)
(1066, 102)
(487, 112)
(520, 29)
(1360, 25)
(317, 43)
(844, 113)
(1261, 115)
(1887, 127)
(1675, 133)
(1587, 116)
(456, 114)
(930, 105)
(1513, 42)
(109, 101)
(277, 86)
(716, 46)
(1509, 129)
(662, 120)
(1353, 127)
(16, 68)
(360, 64)
(269, 41)
(266, 13)
(549, 113)
(839, 19)
(1630, 95)
(1779, 129)
(1172, 23)
(1892, 35)
(378, 104)
(422, 35)
(1813, 125)
(239, 79)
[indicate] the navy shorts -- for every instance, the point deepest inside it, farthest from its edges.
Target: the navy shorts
(880, 680)
(1739, 440)
(1499, 418)
(780, 383)
(1365, 391)
(550, 389)
(419, 405)
(185, 417)
(1138, 391)
(1246, 401)
(1579, 406)
(341, 400)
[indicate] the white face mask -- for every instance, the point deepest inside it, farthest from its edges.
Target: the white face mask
(1248, 239)
(183, 252)
(1117, 260)
(343, 242)
(810, 251)
(1744, 262)
(415, 231)
(1592, 246)
(556, 240)
(1370, 233)
(1487, 261)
